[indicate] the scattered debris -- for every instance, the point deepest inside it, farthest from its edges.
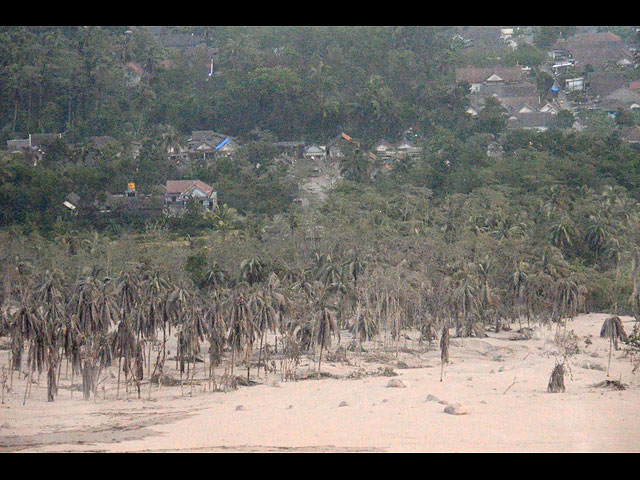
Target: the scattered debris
(387, 372)
(612, 384)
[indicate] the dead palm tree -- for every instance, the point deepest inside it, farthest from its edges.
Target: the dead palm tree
(93, 304)
(216, 330)
(326, 326)
(178, 308)
(265, 306)
(240, 327)
(613, 329)
(444, 349)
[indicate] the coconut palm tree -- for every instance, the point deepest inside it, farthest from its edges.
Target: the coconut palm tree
(465, 296)
(562, 232)
(597, 233)
(253, 270)
(326, 326)
(240, 327)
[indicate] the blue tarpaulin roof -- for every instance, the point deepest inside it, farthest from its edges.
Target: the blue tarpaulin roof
(223, 143)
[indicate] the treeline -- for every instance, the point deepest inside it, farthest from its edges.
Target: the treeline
(292, 81)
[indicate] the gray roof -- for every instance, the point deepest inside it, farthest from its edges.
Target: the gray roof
(73, 199)
(38, 139)
(605, 83)
(18, 144)
(530, 120)
(523, 89)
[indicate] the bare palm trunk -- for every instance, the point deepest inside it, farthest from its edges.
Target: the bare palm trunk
(260, 353)
(320, 360)
(119, 370)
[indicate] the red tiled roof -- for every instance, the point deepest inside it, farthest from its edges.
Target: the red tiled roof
(177, 187)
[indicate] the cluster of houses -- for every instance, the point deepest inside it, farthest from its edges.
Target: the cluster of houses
(382, 151)
(589, 72)
(202, 144)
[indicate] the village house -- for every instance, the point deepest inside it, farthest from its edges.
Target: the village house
(480, 37)
(291, 148)
(620, 99)
(477, 77)
(34, 147)
(539, 121)
(407, 147)
(315, 152)
(574, 84)
(205, 143)
(131, 201)
(178, 192)
(19, 145)
(550, 108)
(384, 149)
(600, 50)
(335, 146)
(71, 201)
(602, 84)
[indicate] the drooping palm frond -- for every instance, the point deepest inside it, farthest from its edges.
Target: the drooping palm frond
(614, 329)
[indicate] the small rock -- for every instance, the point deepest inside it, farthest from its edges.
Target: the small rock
(343, 404)
(240, 407)
(402, 365)
(396, 383)
(456, 409)
(492, 371)
(432, 398)
(501, 369)
(289, 407)
(593, 366)
(384, 400)
(469, 379)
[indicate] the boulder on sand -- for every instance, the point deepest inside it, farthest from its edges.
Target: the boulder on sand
(396, 383)
(456, 409)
